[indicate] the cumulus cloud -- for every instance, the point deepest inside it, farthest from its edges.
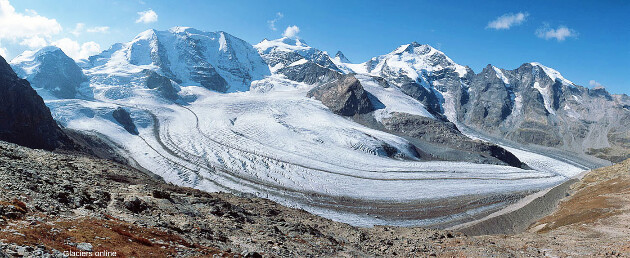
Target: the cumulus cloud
(507, 20)
(101, 29)
(559, 34)
(147, 16)
(3, 52)
(34, 42)
(77, 51)
(272, 23)
(16, 26)
(77, 29)
(595, 84)
(291, 31)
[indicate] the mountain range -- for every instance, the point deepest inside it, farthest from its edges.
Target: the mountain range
(350, 141)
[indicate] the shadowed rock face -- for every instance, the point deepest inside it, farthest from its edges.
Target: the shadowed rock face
(162, 84)
(344, 96)
(122, 116)
(24, 118)
(310, 73)
(447, 134)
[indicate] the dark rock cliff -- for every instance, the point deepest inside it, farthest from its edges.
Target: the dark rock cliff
(24, 118)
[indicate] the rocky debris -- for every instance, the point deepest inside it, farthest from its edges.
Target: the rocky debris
(74, 201)
(447, 134)
(84, 247)
(24, 118)
(124, 118)
(14, 250)
(344, 96)
(51, 69)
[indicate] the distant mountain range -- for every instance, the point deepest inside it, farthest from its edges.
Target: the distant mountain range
(287, 121)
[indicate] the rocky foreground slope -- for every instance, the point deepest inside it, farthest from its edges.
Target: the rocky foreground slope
(51, 203)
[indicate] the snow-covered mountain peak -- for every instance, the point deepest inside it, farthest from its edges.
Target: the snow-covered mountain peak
(412, 60)
(184, 30)
(50, 71)
(288, 52)
(415, 48)
(27, 56)
(214, 60)
(552, 73)
(284, 44)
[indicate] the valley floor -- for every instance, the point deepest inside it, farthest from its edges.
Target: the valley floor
(52, 203)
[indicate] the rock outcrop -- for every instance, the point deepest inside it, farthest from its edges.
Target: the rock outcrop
(161, 83)
(124, 118)
(24, 118)
(344, 96)
(446, 134)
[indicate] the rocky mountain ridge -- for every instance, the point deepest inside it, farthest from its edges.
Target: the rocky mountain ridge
(24, 118)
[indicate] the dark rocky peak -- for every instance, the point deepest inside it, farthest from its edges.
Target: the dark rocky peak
(6, 72)
(489, 70)
(342, 57)
(24, 118)
(600, 92)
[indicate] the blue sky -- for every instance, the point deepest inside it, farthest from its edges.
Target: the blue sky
(587, 41)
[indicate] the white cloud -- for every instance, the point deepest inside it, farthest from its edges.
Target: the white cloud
(3, 52)
(17, 26)
(80, 28)
(595, 84)
(77, 51)
(291, 31)
(34, 42)
(272, 23)
(77, 29)
(147, 16)
(507, 20)
(101, 29)
(560, 33)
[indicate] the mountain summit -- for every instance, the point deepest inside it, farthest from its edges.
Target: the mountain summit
(214, 60)
(50, 69)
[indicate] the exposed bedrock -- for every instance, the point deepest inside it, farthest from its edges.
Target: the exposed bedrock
(123, 118)
(447, 134)
(24, 118)
(344, 96)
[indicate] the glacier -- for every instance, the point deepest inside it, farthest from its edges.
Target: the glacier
(259, 135)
